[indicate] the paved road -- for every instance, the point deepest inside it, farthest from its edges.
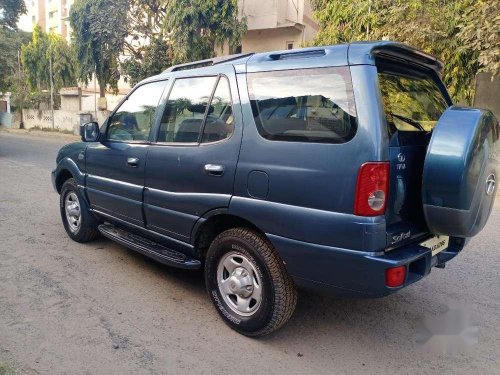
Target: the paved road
(102, 309)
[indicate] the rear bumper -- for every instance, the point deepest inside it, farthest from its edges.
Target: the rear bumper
(352, 273)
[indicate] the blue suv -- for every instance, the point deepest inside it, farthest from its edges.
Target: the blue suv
(345, 169)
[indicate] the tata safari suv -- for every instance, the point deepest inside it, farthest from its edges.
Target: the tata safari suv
(344, 169)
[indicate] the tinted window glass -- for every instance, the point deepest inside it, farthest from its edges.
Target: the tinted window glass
(307, 105)
(411, 103)
(135, 117)
(220, 119)
(185, 109)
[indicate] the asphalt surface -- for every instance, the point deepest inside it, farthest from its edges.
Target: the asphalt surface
(99, 308)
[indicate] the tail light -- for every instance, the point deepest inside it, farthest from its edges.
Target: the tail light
(395, 276)
(372, 189)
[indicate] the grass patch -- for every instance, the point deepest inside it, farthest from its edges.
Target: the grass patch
(6, 369)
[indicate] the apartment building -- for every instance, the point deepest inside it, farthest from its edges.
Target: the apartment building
(277, 24)
(51, 15)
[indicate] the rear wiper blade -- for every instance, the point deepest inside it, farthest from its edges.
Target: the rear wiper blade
(410, 121)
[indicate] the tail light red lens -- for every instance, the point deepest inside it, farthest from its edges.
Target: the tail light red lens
(395, 276)
(372, 189)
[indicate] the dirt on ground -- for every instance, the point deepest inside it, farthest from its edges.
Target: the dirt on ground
(99, 308)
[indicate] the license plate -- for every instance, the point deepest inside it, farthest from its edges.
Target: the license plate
(436, 244)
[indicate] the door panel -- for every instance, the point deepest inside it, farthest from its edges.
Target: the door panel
(115, 166)
(114, 186)
(183, 179)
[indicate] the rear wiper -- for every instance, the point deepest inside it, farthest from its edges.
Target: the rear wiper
(410, 121)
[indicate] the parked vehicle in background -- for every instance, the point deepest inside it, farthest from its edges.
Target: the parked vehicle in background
(344, 169)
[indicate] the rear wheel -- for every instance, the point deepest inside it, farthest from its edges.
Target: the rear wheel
(78, 221)
(248, 283)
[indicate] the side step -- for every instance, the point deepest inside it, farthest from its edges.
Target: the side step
(149, 248)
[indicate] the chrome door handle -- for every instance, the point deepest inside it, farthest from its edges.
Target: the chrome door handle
(133, 162)
(215, 169)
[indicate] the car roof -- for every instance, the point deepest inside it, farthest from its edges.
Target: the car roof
(356, 53)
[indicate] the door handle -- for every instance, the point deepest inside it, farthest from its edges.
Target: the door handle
(215, 169)
(133, 162)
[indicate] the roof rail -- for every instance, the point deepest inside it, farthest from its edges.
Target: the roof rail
(207, 62)
(297, 54)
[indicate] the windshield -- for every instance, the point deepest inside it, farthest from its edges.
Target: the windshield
(411, 103)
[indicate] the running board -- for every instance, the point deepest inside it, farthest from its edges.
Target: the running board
(149, 248)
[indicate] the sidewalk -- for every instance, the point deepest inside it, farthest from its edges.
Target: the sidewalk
(40, 133)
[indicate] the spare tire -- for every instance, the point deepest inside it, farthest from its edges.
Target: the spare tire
(460, 175)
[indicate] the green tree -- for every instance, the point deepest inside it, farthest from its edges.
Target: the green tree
(480, 32)
(434, 26)
(10, 11)
(147, 44)
(10, 44)
(42, 51)
(154, 58)
(99, 31)
(145, 19)
(199, 27)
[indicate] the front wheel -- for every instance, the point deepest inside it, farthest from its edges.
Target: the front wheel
(248, 283)
(78, 221)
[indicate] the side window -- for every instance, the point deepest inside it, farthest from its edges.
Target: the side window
(182, 119)
(304, 105)
(134, 118)
(220, 119)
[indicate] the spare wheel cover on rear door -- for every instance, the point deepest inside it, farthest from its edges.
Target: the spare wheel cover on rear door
(460, 175)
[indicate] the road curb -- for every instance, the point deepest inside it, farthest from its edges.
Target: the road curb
(39, 133)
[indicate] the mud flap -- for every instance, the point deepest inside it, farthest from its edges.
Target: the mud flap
(460, 175)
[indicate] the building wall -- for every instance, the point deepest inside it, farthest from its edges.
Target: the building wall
(67, 121)
(271, 39)
(276, 25)
(42, 119)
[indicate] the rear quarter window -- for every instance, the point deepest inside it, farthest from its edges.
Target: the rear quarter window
(304, 105)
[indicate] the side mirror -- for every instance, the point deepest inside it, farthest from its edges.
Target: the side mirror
(90, 132)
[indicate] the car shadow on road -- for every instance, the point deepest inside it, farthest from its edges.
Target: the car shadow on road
(319, 318)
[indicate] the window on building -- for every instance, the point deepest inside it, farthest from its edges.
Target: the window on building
(33, 19)
(289, 45)
(239, 49)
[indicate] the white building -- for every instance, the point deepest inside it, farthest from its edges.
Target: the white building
(277, 24)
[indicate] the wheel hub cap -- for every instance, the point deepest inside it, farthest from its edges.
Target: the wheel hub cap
(239, 283)
(72, 210)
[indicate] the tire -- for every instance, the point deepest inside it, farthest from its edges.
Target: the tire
(86, 230)
(265, 276)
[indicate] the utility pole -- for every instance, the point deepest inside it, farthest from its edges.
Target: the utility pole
(51, 90)
(95, 97)
(21, 102)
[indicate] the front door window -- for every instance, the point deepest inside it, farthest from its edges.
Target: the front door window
(134, 118)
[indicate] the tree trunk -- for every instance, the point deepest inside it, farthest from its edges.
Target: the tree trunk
(102, 90)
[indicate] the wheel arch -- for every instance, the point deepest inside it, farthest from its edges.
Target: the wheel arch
(61, 178)
(66, 169)
(214, 223)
